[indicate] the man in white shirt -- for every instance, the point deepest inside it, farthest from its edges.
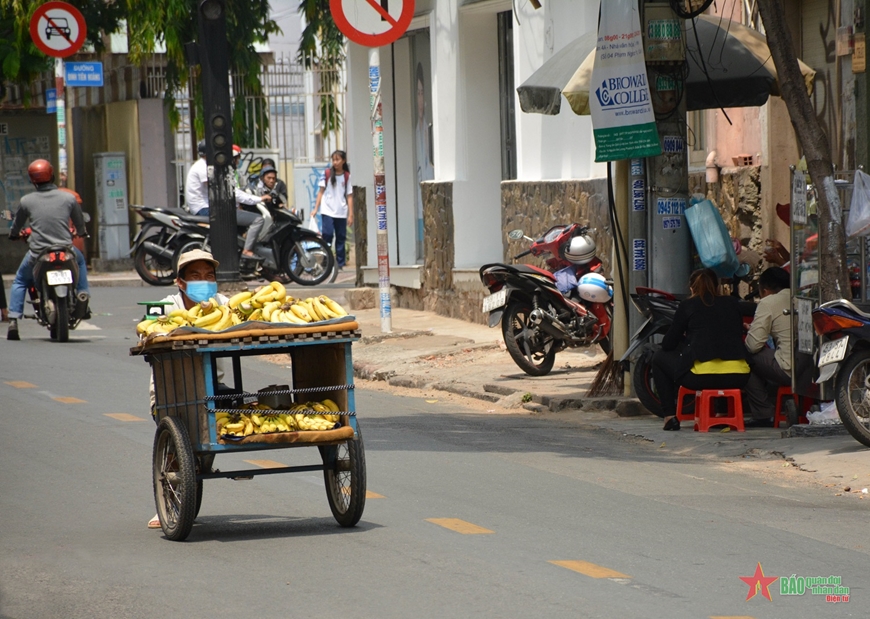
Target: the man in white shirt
(196, 185)
(771, 367)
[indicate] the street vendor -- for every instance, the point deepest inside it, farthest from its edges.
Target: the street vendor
(196, 283)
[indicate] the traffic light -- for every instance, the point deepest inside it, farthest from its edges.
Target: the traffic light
(214, 58)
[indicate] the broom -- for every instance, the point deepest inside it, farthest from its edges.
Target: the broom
(609, 379)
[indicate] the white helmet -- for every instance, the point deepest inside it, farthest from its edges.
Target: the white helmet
(580, 250)
(593, 288)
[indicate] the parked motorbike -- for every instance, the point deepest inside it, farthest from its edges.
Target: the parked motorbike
(53, 293)
(537, 320)
(283, 246)
(155, 244)
(845, 357)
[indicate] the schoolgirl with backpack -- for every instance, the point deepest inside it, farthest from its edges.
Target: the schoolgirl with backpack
(335, 203)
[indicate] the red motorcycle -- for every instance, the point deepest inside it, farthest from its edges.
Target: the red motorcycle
(537, 319)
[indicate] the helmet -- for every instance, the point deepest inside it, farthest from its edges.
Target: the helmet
(237, 150)
(593, 287)
(580, 250)
(40, 171)
(200, 147)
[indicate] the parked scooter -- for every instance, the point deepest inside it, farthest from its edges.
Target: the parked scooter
(845, 357)
(283, 246)
(155, 243)
(538, 320)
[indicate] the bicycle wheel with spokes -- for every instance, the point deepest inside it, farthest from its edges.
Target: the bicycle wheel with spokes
(345, 477)
(174, 477)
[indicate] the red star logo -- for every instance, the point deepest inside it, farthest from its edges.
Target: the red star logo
(759, 582)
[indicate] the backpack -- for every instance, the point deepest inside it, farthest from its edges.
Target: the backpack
(328, 173)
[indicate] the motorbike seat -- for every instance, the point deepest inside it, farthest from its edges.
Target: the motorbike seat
(848, 305)
(532, 270)
(194, 218)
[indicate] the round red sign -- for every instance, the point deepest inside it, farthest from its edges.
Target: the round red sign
(58, 29)
(369, 22)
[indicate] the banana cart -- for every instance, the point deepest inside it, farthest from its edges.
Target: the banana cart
(186, 367)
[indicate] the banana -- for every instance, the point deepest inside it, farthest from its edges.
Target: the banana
(300, 310)
(256, 315)
(194, 312)
(225, 321)
(317, 406)
(332, 305)
(270, 307)
(332, 406)
(209, 319)
(177, 313)
(265, 294)
(280, 290)
(142, 327)
(256, 419)
(239, 298)
(245, 308)
(249, 427)
(321, 310)
(235, 427)
(234, 317)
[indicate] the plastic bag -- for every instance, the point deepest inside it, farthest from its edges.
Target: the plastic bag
(711, 238)
(311, 224)
(858, 223)
(828, 416)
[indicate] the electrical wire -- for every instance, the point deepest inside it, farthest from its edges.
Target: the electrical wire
(706, 74)
(678, 6)
(619, 242)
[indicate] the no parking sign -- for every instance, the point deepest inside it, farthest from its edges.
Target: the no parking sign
(372, 23)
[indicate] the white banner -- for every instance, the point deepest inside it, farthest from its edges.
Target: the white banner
(623, 121)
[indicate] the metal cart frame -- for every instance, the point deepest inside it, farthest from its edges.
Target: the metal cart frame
(188, 394)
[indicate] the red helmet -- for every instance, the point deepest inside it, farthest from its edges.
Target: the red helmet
(40, 171)
(237, 150)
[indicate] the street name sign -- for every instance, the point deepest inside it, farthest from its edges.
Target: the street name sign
(58, 29)
(372, 23)
(83, 73)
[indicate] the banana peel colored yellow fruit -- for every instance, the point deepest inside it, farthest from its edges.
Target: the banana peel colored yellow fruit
(301, 417)
(268, 303)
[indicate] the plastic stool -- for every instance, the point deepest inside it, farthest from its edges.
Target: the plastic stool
(704, 410)
(778, 414)
(683, 393)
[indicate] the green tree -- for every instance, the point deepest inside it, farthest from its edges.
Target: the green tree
(322, 48)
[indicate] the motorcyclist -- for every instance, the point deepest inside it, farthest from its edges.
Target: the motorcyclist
(49, 212)
(268, 183)
(247, 216)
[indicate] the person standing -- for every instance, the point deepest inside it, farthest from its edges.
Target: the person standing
(49, 212)
(196, 185)
(336, 198)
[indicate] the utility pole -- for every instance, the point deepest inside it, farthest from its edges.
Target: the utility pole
(213, 53)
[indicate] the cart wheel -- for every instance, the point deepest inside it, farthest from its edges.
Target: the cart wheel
(174, 479)
(345, 480)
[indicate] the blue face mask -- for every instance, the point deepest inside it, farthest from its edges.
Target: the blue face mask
(200, 291)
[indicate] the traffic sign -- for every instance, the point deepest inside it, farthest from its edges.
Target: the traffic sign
(83, 73)
(372, 23)
(58, 29)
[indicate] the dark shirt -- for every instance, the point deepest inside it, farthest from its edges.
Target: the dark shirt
(49, 211)
(710, 331)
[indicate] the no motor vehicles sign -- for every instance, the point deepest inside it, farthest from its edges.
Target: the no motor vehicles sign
(372, 23)
(58, 29)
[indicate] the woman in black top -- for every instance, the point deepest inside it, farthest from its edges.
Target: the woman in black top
(704, 347)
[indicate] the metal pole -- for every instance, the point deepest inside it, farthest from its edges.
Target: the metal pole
(380, 188)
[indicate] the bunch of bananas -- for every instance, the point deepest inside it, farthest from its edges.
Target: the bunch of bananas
(263, 420)
(268, 303)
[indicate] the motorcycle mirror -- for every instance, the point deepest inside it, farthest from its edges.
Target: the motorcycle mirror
(515, 235)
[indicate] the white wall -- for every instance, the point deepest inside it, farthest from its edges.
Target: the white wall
(552, 147)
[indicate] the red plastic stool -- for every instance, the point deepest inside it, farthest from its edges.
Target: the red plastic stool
(683, 393)
(704, 419)
(778, 415)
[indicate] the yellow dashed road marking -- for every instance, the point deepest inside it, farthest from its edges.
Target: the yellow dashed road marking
(590, 569)
(20, 384)
(124, 417)
(374, 495)
(459, 526)
(266, 464)
(68, 400)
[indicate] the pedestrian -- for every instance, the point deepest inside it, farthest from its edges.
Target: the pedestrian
(703, 349)
(336, 197)
(196, 185)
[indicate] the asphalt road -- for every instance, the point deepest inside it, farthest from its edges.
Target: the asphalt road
(469, 514)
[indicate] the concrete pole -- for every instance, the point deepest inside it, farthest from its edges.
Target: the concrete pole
(620, 328)
(380, 189)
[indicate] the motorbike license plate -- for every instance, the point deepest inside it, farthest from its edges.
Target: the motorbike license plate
(832, 352)
(58, 278)
(494, 301)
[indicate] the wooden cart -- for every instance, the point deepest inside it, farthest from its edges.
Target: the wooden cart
(188, 395)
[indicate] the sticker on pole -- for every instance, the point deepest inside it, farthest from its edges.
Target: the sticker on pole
(372, 23)
(58, 29)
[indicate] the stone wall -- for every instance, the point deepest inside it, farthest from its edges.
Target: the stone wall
(537, 206)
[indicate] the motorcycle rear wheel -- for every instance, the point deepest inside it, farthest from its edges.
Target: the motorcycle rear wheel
(853, 396)
(642, 381)
(533, 353)
(60, 329)
(318, 251)
(152, 269)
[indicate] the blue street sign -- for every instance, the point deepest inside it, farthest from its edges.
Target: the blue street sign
(51, 101)
(83, 73)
